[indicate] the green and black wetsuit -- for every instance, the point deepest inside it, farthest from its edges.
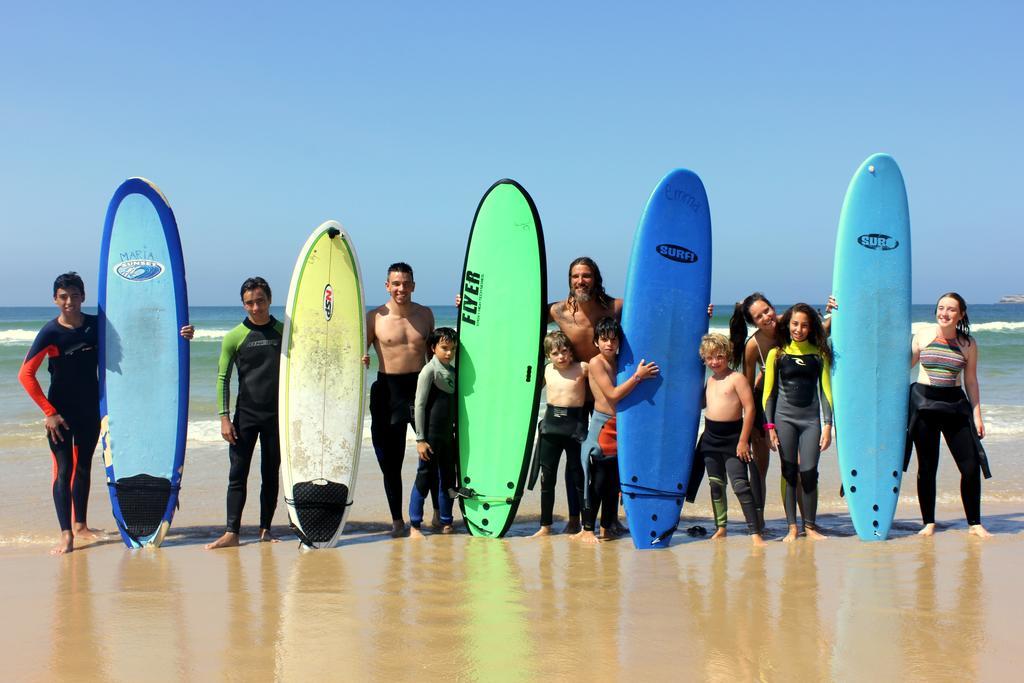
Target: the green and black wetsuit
(256, 351)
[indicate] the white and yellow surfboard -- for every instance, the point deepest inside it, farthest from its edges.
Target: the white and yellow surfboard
(322, 379)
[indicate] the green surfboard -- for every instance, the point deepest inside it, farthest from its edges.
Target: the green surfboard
(499, 358)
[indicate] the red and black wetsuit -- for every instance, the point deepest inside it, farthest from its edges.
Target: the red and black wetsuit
(74, 394)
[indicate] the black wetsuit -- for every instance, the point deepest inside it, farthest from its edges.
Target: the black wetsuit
(563, 429)
(74, 395)
(256, 351)
(392, 399)
(717, 447)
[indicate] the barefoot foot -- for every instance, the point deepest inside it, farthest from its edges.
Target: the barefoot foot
(543, 531)
(927, 530)
(587, 537)
(87, 535)
(228, 540)
(758, 541)
(66, 545)
(448, 529)
(719, 533)
(414, 532)
(813, 533)
(979, 531)
(791, 536)
(267, 537)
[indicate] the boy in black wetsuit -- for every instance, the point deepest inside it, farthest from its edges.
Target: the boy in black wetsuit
(724, 446)
(72, 404)
(254, 347)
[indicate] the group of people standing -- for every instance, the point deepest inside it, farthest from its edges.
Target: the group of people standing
(768, 391)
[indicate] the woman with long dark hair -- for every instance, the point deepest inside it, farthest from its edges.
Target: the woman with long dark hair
(948, 358)
(749, 354)
(797, 401)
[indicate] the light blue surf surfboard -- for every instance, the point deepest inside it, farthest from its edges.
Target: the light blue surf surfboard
(144, 362)
(664, 316)
(871, 339)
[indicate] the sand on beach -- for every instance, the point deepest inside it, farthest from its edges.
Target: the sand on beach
(459, 607)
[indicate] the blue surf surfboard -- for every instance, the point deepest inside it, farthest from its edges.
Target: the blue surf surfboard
(664, 316)
(871, 339)
(144, 362)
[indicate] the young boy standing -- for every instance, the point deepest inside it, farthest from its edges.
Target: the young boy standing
(725, 443)
(72, 405)
(254, 347)
(600, 451)
(434, 422)
(563, 428)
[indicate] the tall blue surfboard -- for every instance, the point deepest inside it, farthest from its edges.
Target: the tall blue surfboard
(144, 362)
(871, 339)
(664, 316)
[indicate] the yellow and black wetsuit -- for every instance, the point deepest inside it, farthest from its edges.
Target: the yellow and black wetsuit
(797, 398)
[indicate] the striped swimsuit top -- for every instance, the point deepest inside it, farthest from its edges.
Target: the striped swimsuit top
(942, 362)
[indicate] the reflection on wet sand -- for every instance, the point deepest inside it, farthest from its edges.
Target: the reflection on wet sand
(655, 624)
(868, 621)
(467, 608)
(799, 649)
(146, 585)
(493, 627)
(74, 629)
(734, 621)
(253, 611)
(945, 631)
(319, 633)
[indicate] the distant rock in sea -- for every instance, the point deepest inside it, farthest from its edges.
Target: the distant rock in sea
(1012, 299)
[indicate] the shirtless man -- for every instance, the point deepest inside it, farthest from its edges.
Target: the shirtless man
(398, 331)
(586, 303)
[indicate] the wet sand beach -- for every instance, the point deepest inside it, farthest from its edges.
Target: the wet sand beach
(459, 607)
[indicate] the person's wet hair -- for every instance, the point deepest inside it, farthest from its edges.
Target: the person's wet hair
(401, 267)
(597, 294)
(738, 325)
(607, 328)
(255, 283)
(442, 334)
(68, 280)
(556, 339)
(815, 336)
(963, 326)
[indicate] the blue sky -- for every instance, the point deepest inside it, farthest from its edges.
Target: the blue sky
(259, 121)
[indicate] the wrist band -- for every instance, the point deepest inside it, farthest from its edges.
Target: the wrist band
(769, 425)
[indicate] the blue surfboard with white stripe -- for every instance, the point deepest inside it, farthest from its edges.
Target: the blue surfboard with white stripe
(664, 316)
(144, 362)
(871, 339)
